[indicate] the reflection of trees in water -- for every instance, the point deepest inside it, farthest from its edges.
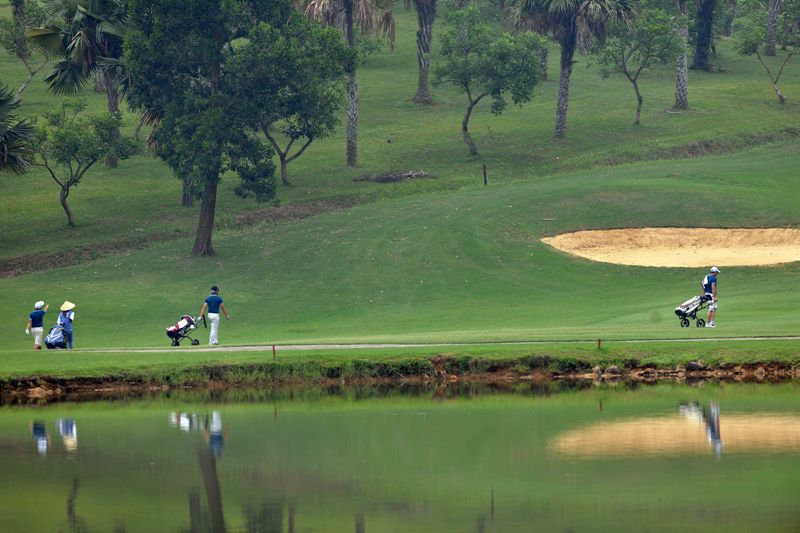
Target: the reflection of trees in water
(75, 523)
(264, 518)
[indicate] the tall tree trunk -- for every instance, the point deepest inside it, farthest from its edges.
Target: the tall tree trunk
(352, 90)
(473, 150)
(18, 16)
(639, 101)
(112, 95)
(284, 169)
(729, 26)
(544, 55)
(426, 13)
(186, 199)
(63, 198)
(562, 101)
(682, 62)
(772, 26)
(705, 34)
(205, 225)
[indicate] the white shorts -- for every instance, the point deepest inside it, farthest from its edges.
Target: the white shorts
(37, 335)
(712, 306)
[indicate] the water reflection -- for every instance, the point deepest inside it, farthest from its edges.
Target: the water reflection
(39, 433)
(68, 430)
(709, 417)
(694, 429)
(367, 460)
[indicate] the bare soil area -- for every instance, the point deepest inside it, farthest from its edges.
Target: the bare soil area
(683, 247)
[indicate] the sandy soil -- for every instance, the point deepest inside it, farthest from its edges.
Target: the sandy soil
(683, 247)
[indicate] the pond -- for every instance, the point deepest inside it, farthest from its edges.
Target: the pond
(574, 457)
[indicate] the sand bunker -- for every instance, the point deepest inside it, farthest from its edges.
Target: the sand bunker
(683, 247)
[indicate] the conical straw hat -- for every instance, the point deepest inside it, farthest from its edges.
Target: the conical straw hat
(67, 306)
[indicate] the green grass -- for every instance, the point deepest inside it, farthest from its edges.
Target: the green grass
(141, 197)
(181, 367)
(439, 260)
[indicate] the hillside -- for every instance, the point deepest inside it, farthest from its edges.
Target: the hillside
(444, 258)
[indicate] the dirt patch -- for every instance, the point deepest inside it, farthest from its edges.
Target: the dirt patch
(16, 266)
(393, 177)
(25, 264)
(683, 247)
(273, 215)
(704, 147)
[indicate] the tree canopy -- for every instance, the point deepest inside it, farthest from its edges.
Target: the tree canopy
(299, 70)
(648, 39)
(15, 135)
(482, 62)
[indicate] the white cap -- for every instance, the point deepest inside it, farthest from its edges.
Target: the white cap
(714, 269)
(38, 305)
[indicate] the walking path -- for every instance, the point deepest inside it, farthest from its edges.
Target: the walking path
(296, 347)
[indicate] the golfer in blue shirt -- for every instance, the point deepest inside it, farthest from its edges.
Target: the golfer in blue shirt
(710, 293)
(213, 304)
(36, 323)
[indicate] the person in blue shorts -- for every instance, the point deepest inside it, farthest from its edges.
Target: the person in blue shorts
(36, 323)
(213, 304)
(710, 294)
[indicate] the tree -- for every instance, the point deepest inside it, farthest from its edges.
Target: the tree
(682, 61)
(299, 70)
(704, 26)
(772, 27)
(178, 55)
(16, 154)
(565, 20)
(24, 13)
(68, 145)
(482, 62)
(642, 42)
(426, 14)
(368, 16)
(87, 38)
(751, 39)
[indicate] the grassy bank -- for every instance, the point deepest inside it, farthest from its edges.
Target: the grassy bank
(443, 259)
(730, 110)
(477, 362)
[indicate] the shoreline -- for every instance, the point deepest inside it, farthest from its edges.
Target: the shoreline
(439, 370)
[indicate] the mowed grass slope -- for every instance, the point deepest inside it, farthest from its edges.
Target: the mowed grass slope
(141, 198)
(451, 266)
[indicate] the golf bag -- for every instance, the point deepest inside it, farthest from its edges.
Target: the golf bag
(56, 338)
(183, 328)
(688, 310)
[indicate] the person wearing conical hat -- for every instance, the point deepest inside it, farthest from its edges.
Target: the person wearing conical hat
(35, 323)
(65, 319)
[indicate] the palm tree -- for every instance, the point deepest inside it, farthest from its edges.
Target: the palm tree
(369, 16)
(772, 26)
(568, 21)
(682, 61)
(426, 13)
(88, 41)
(16, 154)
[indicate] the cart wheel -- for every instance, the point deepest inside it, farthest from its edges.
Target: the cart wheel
(701, 323)
(195, 342)
(684, 322)
(176, 343)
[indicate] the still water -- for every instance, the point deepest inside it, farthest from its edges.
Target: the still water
(669, 457)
